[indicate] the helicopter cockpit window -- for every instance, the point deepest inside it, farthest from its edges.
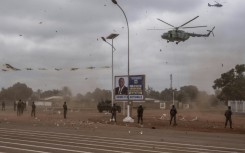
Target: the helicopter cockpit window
(170, 35)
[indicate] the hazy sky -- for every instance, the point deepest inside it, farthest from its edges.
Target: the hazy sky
(66, 34)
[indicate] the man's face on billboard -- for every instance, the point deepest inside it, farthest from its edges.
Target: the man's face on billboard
(121, 82)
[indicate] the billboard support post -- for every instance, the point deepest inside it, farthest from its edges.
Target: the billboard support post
(128, 118)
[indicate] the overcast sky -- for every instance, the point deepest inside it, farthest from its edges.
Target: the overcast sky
(66, 34)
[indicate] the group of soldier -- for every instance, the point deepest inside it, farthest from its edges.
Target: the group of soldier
(140, 111)
(173, 113)
(21, 106)
(228, 114)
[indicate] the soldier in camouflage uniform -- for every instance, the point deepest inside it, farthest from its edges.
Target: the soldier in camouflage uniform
(228, 114)
(3, 106)
(173, 113)
(19, 108)
(65, 110)
(114, 113)
(33, 110)
(140, 111)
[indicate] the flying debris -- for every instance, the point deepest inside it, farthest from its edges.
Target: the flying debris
(20, 35)
(8, 66)
(215, 5)
(40, 22)
(58, 69)
(42, 69)
(74, 69)
(91, 67)
(106, 67)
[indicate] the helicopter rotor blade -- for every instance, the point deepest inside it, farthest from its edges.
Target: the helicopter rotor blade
(155, 29)
(166, 23)
(188, 21)
(193, 27)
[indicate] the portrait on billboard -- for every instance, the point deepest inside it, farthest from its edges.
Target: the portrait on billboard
(121, 86)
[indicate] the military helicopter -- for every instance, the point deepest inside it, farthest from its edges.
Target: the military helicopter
(215, 5)
(177, 35)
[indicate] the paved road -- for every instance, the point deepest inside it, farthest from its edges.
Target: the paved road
(109, 140)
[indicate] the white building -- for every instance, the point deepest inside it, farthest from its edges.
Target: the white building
(237, 106)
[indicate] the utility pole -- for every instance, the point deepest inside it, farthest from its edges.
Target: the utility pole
(171, 86)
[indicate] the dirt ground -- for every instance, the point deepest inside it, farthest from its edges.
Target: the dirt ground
(187, 120)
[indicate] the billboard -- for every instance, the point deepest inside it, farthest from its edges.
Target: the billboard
(132, 86)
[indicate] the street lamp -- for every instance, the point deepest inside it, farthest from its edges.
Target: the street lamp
(111, 36)
(128, 118)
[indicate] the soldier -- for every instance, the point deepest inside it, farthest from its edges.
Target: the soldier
(65, 110)
(140, 111)
(15, 105)
(3, 106)
(173, 113)
(114, 113)
(22, 107)
(19, 108)
(33, 110)
(228, 114)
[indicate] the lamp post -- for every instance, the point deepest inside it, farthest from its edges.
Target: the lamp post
(111, 36)
(128, 118)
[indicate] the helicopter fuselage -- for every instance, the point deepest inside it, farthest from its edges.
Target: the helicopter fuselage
(175, 35)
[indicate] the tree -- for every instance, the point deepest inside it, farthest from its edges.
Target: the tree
(166, 95)
(50, 93)
(187, 93)
(150, 93)
(99, 94)
(231, 84)
(17, 91)
(66, 92)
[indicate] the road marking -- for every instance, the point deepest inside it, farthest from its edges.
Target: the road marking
(119, 141)
(62, 145)
(116, 144)
(14, 148)
(42, 146)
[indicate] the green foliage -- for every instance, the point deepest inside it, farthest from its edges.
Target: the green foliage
(95, 96)
(49, 93)
(150, 93)
(17, 91)
(166, 95)
(231, 84)
(188, 93)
